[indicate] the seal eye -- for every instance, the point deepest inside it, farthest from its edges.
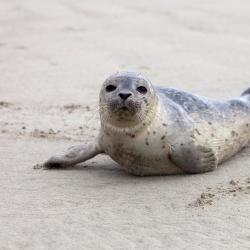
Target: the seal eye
(110, 88)
(142, 89)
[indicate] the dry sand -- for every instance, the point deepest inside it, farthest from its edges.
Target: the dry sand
(54, 56)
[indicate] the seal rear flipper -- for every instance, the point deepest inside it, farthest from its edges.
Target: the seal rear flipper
(246, 92)
(194, 159)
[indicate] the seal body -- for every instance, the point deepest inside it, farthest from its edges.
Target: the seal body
(152, 130)
(186, 133)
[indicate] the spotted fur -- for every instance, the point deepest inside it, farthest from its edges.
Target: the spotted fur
(165, 130)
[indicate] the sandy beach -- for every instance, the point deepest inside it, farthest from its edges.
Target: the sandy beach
(54, 57)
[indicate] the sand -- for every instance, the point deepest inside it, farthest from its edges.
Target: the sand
(54, 56)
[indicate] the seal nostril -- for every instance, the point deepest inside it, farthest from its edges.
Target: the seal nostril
(124, 96)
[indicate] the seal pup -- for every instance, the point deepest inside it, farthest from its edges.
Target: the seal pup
(152, 130)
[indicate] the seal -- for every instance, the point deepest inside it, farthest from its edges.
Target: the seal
(152, 130)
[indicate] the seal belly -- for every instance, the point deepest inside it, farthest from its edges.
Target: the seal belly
(146, 156)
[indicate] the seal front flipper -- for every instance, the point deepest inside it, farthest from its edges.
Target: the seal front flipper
(193, 159)
(73, 156)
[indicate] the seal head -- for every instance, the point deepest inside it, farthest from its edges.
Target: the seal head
(127, 100)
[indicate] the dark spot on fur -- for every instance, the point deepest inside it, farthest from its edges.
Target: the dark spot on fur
(212, 135)
(247, 124)
(169, 157)
(197, 131)
(233, 133)
(164, 124)
(146, 142)
(182, 144)
(163, 146)
(154, 132)
(144, 124)
(163, 137)
(210, 123)
(131, 135)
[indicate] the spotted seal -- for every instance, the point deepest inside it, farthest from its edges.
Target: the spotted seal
(152, 130)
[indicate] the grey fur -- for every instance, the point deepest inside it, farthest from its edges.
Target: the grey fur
(164, 131)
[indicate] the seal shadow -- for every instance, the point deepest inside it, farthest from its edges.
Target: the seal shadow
(106, 168)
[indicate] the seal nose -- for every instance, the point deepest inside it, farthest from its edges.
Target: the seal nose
(124, 96)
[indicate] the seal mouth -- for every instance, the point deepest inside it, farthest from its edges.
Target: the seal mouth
(129, 108)
(124, 108)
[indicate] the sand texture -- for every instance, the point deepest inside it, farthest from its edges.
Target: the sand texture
(54, 56)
